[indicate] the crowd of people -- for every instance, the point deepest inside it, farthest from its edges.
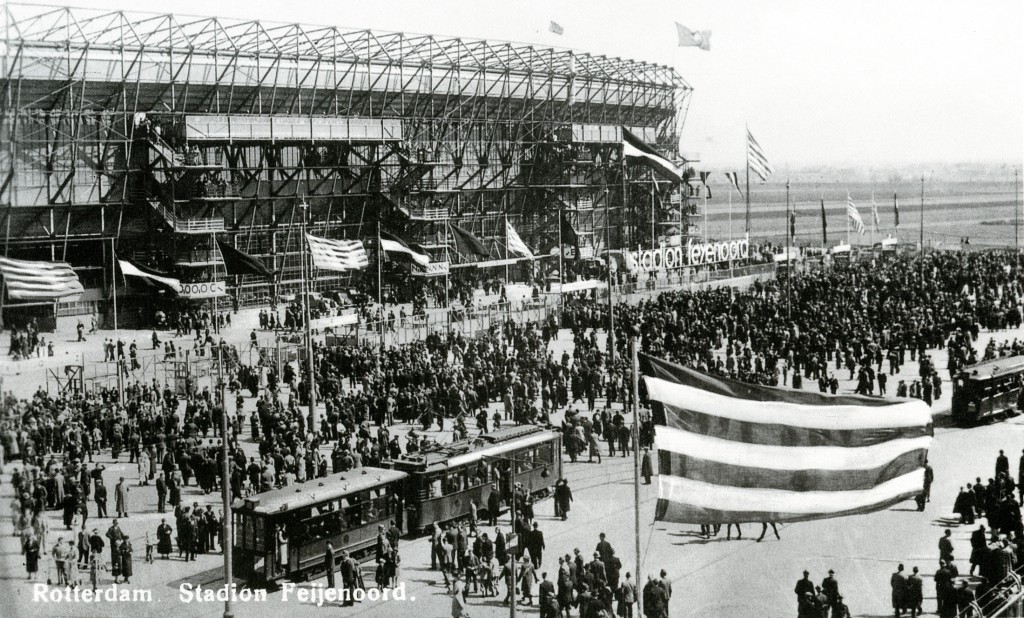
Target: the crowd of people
(864, 319)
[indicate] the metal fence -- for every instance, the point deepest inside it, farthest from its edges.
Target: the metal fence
(468, 322)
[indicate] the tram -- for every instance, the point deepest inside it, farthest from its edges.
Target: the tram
(991, 389)
(441, 483)
(283, 534)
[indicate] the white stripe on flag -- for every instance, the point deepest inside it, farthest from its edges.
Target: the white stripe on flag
(757, 161)
(786, 457)
(515, 243)
(905, 413)
(331, 254)
(738, 499)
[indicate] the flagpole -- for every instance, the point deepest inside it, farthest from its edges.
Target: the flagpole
(704, 195)
(789, 258)
(314, 425)
(654, 233)
(561, 249)
(380, 283)
(922, 228)
(747, 228)
(636, 457)
(117, 334)
(1017, 213)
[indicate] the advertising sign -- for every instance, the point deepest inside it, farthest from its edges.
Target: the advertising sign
(209, 289)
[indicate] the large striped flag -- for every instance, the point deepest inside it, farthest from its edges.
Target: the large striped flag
(731, 452)
(39, 281)
(851, 212)
(756, 161)
(515, 243)
(331, 254)
(634, 147)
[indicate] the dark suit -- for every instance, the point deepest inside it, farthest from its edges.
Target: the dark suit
(548, 600)
(329, 566)
(535, 543)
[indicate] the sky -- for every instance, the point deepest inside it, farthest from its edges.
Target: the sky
(842, 82)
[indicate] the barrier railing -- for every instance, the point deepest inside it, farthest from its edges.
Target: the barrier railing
(468, 322)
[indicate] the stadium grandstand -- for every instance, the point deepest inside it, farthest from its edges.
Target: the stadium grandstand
(151, 137)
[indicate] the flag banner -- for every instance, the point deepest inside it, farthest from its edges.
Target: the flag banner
(238, 262)
(824, 224)
(515, 243)
(851, 212)
(896, 210)
(732, 452)
(40, 281)
(704, 177)
(734, 179)
(874, 211)
(756, 161)
(557, 29)
(569, 236)
(131, 269)
(634, 147)
(394, 245)
(331, 254)
(466, 242)
(792, 224)
(692, 38)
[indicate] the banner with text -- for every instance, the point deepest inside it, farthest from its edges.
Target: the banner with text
(667, 257)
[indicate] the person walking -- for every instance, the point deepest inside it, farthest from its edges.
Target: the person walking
(329, 564)
(627, 597)
(31, 549)
(830, 586)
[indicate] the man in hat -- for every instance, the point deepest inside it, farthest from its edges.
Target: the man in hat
(830, 586)
(100, 495)
(803, 587)
(121, 498)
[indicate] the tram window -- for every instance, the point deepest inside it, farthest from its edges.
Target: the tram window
(544, 453)
(434, 486)
(257, 526)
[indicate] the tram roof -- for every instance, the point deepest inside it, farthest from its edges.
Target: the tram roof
(316, 491)
(996, 368)
(489, 445)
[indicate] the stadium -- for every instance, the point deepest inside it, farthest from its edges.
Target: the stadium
(151, 137)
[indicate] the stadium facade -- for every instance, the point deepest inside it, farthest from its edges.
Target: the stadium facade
(153, 135)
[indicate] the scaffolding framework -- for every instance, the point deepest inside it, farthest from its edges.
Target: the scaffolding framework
(153, 134)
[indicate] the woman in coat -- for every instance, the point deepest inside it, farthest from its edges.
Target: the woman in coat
(163, 539)
(32, 556)
(125, 551)
(115, 560)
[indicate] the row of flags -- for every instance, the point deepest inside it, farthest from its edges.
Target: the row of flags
(685, 36)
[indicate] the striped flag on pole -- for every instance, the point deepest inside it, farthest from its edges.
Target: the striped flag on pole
(851, 212)
(515, 243)
(756, 161)
(556, 28)
(693, 38)
(634, 147)
(395, 245)
(734, 180)
(731, 452)
(330, 254)
(874, 210)
(131, 269)
(40, 281)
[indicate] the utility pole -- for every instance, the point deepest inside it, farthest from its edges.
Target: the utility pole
(1016, 212)
(225, 481)
(789, 258)
(636, 458)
